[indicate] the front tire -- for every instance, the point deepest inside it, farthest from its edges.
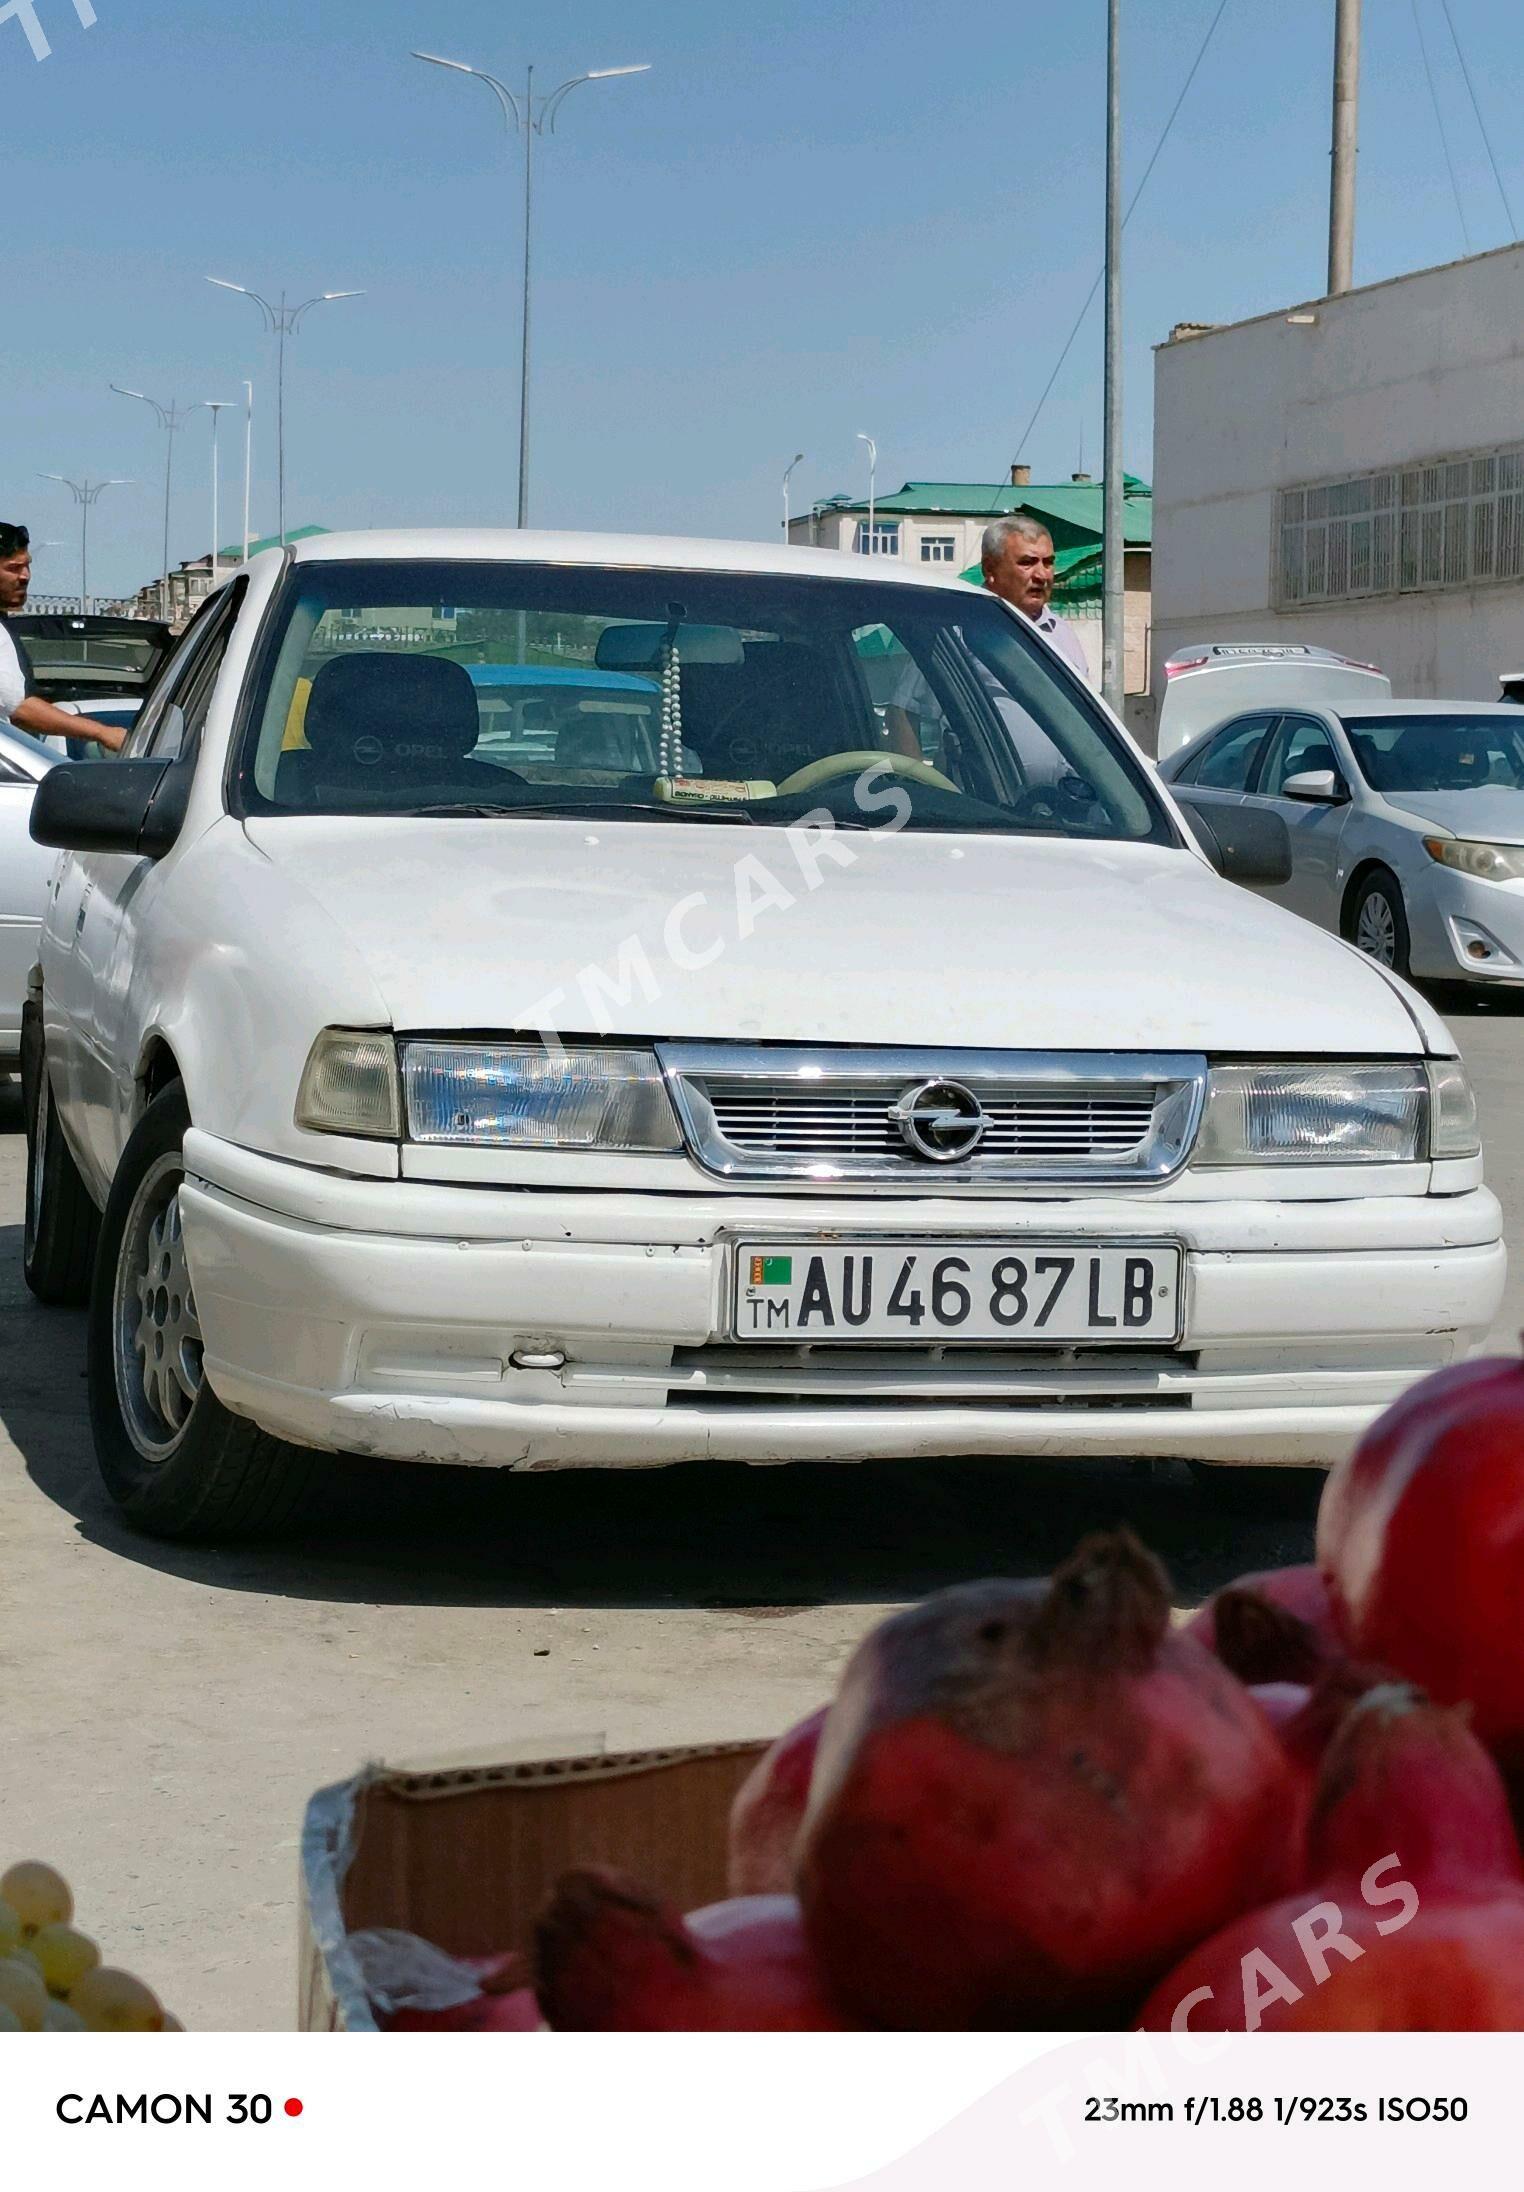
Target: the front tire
(1377, 922)
(175, 1461)
(61, 1222)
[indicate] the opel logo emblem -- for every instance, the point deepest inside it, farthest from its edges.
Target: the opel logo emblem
(941, 1121)
(368, 751)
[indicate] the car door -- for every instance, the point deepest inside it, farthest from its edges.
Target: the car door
(169, 729)
(1304, 743)
(25, 869)
(1216, 772)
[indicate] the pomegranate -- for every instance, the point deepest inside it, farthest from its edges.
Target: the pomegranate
(764, 1819)
(1421, 1540)
(1031, 1797)
(611, 1957)
(1277, 1653)
(1416, 1918)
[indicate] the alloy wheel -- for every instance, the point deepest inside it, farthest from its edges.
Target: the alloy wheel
(155, 1330)
(1376, 928)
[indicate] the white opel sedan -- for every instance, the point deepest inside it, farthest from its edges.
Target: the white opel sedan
(830, 1043)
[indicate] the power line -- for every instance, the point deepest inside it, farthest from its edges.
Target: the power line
(1440, 121)
(1127, 216)
(1497, 175)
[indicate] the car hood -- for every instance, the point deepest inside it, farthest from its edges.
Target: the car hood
(1494, 812)
(699, 930)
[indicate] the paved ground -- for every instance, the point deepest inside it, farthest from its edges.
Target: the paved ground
(165, 1713)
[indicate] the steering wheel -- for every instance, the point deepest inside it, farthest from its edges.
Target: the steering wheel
(853, 764)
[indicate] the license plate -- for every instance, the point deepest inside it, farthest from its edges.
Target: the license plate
(1042, 1293)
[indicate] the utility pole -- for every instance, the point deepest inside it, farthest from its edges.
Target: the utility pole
(1113, 570)
(1346, 111)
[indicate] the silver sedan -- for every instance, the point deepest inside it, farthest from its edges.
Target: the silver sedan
(1406, 820)
(24, 872)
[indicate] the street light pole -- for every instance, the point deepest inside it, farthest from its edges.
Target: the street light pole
(788, 475)
(171, 417)
(1113, 565)
(872, 492)
(248, 461)
(86, 493)
(216, 405)
(532, 118)
(282, 320)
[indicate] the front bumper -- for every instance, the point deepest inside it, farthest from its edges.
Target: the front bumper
(381, 1317)
(1456, 913)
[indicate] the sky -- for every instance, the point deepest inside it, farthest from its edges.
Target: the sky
(813, 218)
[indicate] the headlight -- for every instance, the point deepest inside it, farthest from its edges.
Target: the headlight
(349, 1086)
(1357, 1113)
(1493, 863)
(520, 1096)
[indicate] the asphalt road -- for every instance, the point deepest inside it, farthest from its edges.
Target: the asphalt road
(165, 1712)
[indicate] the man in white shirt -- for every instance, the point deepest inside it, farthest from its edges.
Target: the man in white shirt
(1019, 565)
(28, 711)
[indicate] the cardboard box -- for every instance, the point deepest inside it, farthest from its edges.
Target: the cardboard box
(464, 1855)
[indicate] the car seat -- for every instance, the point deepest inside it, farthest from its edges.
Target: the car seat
(383, 729)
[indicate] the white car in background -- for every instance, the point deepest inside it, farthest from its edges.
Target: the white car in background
(1207, 684)
(25, 867)
(862, 1079)
(1406, 820)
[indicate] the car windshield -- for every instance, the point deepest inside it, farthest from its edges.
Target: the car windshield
(1438, 753)
(536, 689)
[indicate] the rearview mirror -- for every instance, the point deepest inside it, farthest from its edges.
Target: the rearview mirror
(1319, 787)
(1244, 844)
(133, 807)
(639, 646)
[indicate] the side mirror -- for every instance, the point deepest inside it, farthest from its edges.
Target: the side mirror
(1319, 787)
(1244, 844)
(130, 807)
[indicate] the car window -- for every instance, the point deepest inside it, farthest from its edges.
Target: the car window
(171, 720)
(396, 688)
(1418, 753)
(1302, 743)
(1227, 759)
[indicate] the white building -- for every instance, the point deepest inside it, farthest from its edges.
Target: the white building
(1351, 473)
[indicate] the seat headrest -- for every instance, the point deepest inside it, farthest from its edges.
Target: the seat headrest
(391, 711)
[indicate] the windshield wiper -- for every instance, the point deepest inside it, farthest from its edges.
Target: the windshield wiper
(667, 810)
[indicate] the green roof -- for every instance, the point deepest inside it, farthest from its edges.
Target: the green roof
(1072, 508)
(299, 532)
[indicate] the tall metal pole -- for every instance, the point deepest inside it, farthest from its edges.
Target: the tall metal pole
(1113, 569)
(529, 138)
(788, 475)
(282, 320)
(533, 123)
(216, 406)
(1346, 108)
(280, 418)
(86, 493)
(248, 462)
(872, 493)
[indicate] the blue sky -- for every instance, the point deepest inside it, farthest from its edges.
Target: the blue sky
(812, 217)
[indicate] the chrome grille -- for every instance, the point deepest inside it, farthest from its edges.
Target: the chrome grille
(820, 1114)
(852, 1120)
